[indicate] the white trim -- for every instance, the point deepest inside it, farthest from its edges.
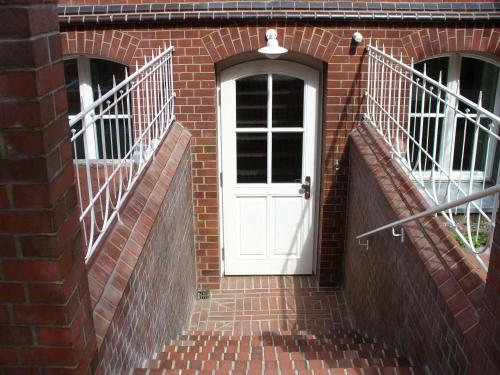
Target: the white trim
(272, 67)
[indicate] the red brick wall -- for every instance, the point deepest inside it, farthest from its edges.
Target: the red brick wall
(200, 47)
(488, 336)
(45, 321)
(423, 296)
(142, 280)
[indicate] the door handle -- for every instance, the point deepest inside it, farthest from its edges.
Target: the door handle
(306, 188)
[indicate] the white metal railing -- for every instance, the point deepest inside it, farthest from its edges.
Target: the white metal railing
(446, 143)
(438, 209)
(115, 138)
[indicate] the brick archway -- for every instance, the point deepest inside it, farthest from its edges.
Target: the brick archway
(226, 42)
(111, 44)
(429, 42)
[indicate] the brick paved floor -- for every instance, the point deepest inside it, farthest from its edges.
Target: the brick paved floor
(275, 325)
(271, 303)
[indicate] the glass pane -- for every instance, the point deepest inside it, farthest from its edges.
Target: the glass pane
(251, 161)
(72, 86)
(102, 72)
(288, 101)
(423, 145)
(432, 67)
(287, 157)
(113, 131)
(478, 76)
(251, 102)
(464, 144)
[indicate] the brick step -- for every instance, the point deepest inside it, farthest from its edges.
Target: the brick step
(278, 342)
(270, 351)
(373, 357)
(333, 332)
(274, 336)
(184, 346)
(259, 365)
(337, 371)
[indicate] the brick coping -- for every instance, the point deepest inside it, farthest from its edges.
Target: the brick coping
(280, 10)
(115, 260)
(453, 270)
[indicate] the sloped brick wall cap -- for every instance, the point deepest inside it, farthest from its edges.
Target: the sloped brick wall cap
(448, 264)
(27, 2)
(114, 262)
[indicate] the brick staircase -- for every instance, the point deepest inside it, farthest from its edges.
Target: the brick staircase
(282, 326)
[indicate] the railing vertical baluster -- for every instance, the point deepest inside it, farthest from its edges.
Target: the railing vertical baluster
(421, 128)
(368, 85)
(120, 132)
(473, 168)
(435, 140)
(408, 120)
(104, 157)
(389, 105)
(171, 92)
(78, 183)
(428, 124)
(452, 153)
(148, 108)
(382, 92)
(430, 157)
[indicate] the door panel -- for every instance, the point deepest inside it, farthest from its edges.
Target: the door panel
(286, 236)
(252, 234)
(268, 144)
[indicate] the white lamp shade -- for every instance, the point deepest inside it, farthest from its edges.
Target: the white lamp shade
(272, 50)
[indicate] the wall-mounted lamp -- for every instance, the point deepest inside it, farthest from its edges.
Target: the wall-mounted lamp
(357, 37)
(272, 50)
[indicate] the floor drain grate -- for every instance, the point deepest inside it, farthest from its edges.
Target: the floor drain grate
(203, 294)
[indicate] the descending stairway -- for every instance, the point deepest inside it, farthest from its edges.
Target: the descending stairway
(334, 352)
(275, 326)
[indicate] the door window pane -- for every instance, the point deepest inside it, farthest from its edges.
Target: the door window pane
(251, 157)
(72, 86)
(288, 101)
(251, 102)
(287, 157)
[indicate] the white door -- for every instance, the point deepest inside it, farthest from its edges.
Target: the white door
(268, 139)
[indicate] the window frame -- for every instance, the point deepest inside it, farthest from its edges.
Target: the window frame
(450, 120)
(86, 94)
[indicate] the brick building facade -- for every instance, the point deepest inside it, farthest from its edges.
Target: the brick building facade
(205, 39)
(48, 312)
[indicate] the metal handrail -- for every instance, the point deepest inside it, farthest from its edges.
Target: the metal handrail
(442, 207)
(435, 83)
